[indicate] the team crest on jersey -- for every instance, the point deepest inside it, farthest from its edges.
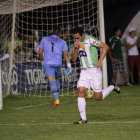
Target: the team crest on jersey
(82, 47)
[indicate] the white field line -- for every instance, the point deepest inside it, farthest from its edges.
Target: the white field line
(64, 102)
(30, 106)
(61, 95)
(67, 123)
(70, 95)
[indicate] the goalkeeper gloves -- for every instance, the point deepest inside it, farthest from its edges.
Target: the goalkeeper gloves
(68, 70)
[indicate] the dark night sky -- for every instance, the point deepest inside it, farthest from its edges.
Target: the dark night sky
(108, 3)
(119, 13)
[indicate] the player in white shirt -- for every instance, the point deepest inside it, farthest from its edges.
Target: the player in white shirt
(91, 76)
(133, 53)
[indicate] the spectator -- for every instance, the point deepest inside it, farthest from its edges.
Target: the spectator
(4, 50)
(69, 40)
(19, 54)
(133, 54)
(87, 33)
(17, 46)
(28, 45)
(17, 43)
(81, 26)
(116, 57)
(36, 44)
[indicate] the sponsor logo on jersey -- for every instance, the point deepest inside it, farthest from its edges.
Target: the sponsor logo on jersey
(95, 43)
(82, 54)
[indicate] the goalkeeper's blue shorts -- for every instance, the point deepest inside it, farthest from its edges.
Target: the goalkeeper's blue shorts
(52, 70)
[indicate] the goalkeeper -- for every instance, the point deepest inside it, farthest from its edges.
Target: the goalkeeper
(51, 51)
(91, 75)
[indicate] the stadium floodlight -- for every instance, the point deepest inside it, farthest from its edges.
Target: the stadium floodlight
(23, 23)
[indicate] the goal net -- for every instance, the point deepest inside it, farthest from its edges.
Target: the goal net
(23, 23)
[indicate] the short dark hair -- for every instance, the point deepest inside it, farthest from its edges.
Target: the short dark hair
(115, 29)
(78, 30)
(57, 30)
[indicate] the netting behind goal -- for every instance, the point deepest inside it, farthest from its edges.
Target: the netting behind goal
(35, 19)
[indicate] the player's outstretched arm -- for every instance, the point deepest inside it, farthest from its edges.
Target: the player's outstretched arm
(41, 54)
(104, 48)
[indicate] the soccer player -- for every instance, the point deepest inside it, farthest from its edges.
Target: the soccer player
(91, 75)
(53, 47)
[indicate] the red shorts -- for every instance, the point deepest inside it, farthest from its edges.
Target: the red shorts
(134, 60)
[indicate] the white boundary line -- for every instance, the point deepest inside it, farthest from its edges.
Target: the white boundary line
(26, 107)
(67, 123)
(71, 95)
(30, 106)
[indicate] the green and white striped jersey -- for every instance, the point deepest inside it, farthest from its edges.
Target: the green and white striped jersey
(88, 52)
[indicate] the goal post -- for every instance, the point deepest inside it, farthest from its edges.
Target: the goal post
(24, 23)
(12, 47)
(102, 37)
(1, 100)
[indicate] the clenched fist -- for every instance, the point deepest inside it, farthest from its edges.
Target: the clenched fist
(76, 45)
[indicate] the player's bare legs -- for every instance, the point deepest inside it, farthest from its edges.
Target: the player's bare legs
(82, 104)
(104, 93)
(82, 92)
(98, 96)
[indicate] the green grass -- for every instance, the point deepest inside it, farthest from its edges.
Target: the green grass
(34, 118)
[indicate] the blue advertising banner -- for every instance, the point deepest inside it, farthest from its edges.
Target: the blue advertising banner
(29, 77)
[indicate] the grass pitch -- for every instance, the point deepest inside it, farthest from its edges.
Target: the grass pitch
(34, 118)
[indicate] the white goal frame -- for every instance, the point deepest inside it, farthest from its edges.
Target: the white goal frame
(102, 38)
(1, 100)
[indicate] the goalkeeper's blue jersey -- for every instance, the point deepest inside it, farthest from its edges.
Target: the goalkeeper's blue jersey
(53, 48)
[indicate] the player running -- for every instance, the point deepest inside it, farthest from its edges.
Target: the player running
(53, 47)
(91, 75)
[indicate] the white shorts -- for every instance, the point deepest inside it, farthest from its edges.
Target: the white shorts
(91, 77)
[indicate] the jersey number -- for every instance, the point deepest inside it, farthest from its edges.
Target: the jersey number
(52, 46)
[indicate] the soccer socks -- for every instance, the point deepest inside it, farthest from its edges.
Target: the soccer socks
(82, 102)
(107, 91)
(82, 107)
(54, 90)
(58, 85)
